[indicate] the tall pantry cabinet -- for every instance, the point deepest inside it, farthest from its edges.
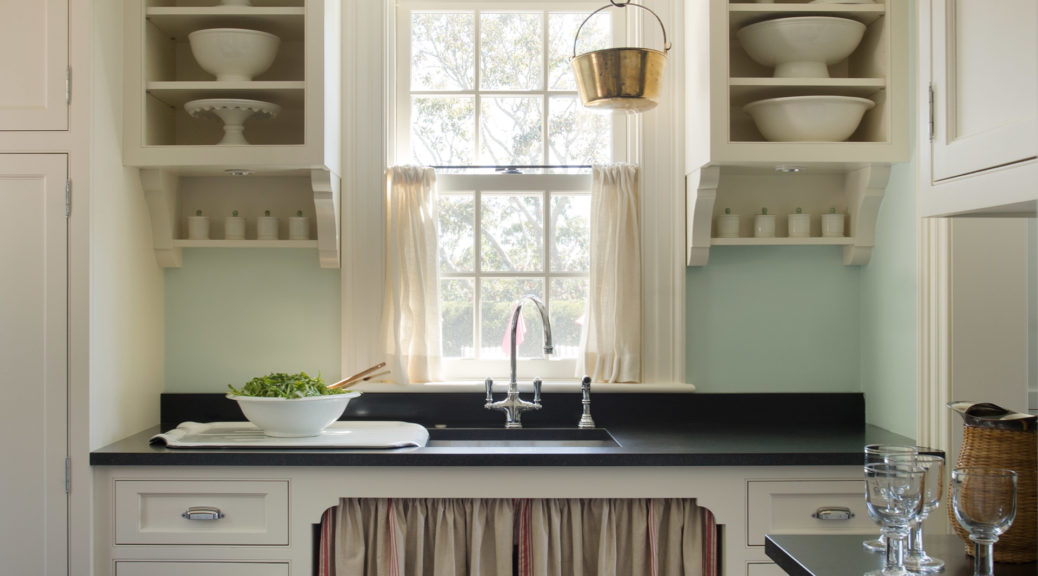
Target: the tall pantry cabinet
(34, 330)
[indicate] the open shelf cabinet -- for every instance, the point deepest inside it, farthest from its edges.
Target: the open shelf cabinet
(294, 157)
(730, 164)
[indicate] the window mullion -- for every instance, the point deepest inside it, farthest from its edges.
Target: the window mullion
(477, 30)
(544, 87)
(547, 247)
(477, 314)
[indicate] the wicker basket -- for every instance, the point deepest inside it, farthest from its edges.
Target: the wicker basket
(997, 438)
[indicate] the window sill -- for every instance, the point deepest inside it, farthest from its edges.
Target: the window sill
(573, 385)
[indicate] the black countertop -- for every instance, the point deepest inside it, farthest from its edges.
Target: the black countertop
(843, 555)
(652, 430)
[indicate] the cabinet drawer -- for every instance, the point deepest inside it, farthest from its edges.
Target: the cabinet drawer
(764, 569)
(786, 508)
(153, 512)
(200, 569)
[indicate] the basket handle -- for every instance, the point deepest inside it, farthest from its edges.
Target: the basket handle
(618, 4)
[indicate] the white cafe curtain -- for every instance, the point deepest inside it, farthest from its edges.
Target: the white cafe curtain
(611, 340)
(410, 311)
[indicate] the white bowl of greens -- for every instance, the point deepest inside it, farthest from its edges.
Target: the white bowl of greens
(290, 405)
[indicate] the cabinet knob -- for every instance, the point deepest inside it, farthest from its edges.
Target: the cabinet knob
(833, 513)
(202, 513)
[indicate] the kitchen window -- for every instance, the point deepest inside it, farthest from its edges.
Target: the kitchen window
(484, 93)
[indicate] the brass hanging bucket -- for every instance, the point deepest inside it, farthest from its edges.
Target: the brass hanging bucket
(626, 79)
(999, 438)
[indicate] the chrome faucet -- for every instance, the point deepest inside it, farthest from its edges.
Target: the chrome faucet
(512, 405)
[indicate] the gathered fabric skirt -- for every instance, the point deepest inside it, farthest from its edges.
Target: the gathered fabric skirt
(523, 537)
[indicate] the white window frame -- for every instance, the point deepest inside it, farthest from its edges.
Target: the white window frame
(447, 183)
(656, 143)
(403, 64)
(547, 367)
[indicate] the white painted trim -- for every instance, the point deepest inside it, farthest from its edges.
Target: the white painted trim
(661, 157)
(933, 421)
(367, 29)
(933, 388)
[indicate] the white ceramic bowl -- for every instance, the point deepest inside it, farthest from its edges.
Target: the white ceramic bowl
(801, 46)
(233, 53)
(808, 118)
(294, 417)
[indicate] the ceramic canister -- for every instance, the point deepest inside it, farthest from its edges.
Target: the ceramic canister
(299, 228)
(728, 226)
(198, 227)
(234, 228)
(267, 228)
(764, 226)
(799, 225)
(832, 225)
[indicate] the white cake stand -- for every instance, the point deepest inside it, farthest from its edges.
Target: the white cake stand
(233, 112)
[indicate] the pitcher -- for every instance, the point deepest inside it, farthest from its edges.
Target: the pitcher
(1000, 438)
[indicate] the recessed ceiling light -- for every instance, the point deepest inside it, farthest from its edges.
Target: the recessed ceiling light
(788, 169)
(238, 171)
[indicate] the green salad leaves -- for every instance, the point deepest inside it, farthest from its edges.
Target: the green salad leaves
(281, 385)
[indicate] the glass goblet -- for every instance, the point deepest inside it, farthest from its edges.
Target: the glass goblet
(876, 454)
(916, 558)
(984, 501)
(894, 499)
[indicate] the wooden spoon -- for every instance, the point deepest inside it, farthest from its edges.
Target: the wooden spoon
(356, 377)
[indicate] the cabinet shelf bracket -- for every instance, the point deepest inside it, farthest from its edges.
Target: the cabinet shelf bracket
(326, 186)
(865, 187)
(700, 196)
(160, 192)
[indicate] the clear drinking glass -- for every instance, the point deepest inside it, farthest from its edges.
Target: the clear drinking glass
(916, 558)
(876, 454)
(984, 501)
(894, 500)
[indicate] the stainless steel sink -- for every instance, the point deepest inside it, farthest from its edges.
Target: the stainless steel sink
(521, 437)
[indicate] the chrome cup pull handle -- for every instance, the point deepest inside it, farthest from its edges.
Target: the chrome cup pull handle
(833, 513)
(202, 513)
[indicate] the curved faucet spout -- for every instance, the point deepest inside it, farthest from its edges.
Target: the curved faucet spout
(548, 347)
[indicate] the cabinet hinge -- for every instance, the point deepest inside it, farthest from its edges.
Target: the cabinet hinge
(68, 475)
(68, 198)
(932, 129)
(68, 85)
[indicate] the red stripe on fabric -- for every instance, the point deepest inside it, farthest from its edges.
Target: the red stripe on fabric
(525, 538)
(709, 527)
(325, 565)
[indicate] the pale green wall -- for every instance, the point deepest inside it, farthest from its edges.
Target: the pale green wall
(774, 319)
(888, 310)
(232, 314)
(889, 292)
(857, 323)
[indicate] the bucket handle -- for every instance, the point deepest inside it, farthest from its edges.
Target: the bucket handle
(617, 4)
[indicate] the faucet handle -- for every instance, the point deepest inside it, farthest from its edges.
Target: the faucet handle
(536, 390)
(585, 418)
(489, 382)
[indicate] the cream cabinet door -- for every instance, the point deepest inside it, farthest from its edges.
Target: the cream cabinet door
(33, 364)
(33, 64)
(985, 85)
